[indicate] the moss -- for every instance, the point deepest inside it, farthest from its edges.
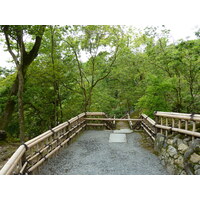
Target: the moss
(146, 142)
(121, 125)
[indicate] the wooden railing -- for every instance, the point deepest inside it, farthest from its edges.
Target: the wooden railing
(148, 125)
(108, 122)
(127, 116)
(177, 122)
(29, 156)
(96, 121)
(168, 122)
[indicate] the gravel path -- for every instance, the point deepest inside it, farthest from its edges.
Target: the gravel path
(92, 153)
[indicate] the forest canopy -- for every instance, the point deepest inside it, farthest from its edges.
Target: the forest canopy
(61, 71)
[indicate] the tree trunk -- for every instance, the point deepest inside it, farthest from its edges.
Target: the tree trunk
(21, 104)
(26, 59)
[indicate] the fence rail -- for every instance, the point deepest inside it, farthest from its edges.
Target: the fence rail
(30, 155)
(168, 122)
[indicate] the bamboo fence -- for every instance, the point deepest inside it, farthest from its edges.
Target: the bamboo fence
(33, 153)
(168, 122)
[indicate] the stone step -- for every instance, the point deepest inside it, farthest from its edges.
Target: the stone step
(123, 131)
(117, 138)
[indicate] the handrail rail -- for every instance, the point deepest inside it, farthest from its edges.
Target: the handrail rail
(30, 155)
(112, 119)
(152, 127)
(13, 161)
(185, 116)
(175, 113)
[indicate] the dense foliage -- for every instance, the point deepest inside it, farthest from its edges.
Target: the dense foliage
(113, 69)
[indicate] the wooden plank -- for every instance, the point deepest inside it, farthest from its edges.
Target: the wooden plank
(93, 124)
(179, 130)
(53, 151)
(57, 128)
(95, 113)
(111, 119)
(151, 121)
(194, 117)
(12, 162)
(34, 142)
(146, 130)
(175, 113)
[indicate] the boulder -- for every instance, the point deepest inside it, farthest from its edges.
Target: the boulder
(172, 151)
(183, 173)
(159, 142)
(196, 167)
(197, 172)
(195, 158)
(179, 162)
(182, 147)
(169, 141)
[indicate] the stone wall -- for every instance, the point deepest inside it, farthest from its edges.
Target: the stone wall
(179, 153)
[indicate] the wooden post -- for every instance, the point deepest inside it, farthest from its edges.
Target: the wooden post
(166, 131)
(186, 124)
(114, 123)
(161, 122)
(173, 123)
(156, 129)
(193, 128)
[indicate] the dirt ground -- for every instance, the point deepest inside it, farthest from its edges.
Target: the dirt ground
(122, 125)
(6, 151)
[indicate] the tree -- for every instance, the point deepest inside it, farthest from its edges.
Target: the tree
(14, 37)
(101, 44)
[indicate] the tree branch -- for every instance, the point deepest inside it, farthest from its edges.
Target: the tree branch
(32, 54)
(5, 30)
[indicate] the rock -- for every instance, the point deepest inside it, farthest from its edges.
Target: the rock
(179, 141)
(175, 141)
(179, 162)
(195, 158)
(187, 139)
(196, 167)
(163, 151)
(167, 155)
(176, 156)
(197, 172)
(182, 147)
(171, 150)
(183, 173)
(171, 161)
(190, 143)
(159, 142)
(170, 169)
(163, 162)
(169, 141)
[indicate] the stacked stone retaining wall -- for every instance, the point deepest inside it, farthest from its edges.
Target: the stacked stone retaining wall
(179, 153)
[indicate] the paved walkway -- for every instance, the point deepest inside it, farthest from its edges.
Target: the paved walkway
(92, 154)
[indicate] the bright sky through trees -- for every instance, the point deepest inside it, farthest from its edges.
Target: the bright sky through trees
(177, 32)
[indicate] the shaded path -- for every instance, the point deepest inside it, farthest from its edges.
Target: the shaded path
(91, 153)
